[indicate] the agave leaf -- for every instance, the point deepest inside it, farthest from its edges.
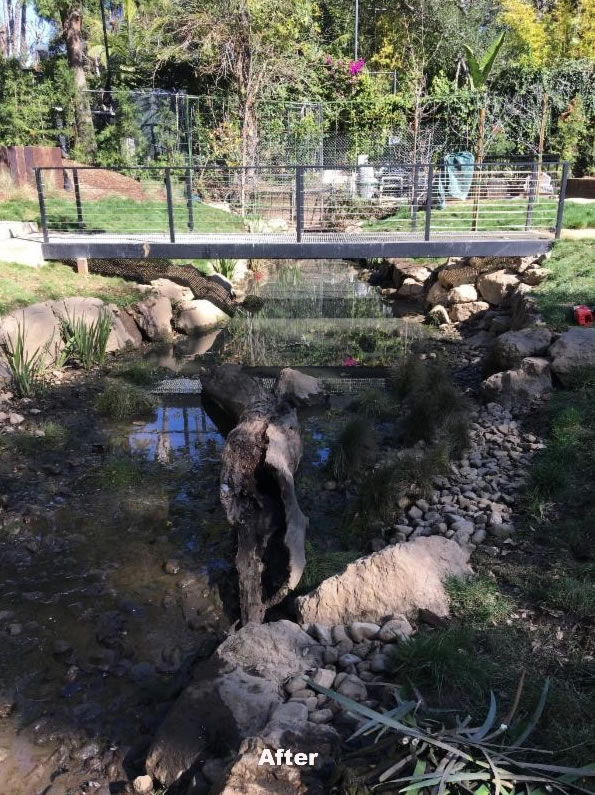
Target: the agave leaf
(396, 713)
(360, 709)
(488, 723)
(495, 772)
(536, 716)
(396, 767)
(569, 778)
(431, 779)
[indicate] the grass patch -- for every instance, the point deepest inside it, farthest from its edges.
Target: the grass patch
(118, 214)
(374, 404)
(352, 447)
(578, 215)
(572, 594)
(124, 402)
(478, 601)
(321, 564)
(120, 471)
(572, 282)
(139, 372)
(52, 437)
(21, 286)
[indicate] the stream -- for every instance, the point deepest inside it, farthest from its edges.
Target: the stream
(124, 576)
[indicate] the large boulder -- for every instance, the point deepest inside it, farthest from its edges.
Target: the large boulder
(39, 327)
(400, 579)
(125, 333)
(199, 315)
(512, 347)
(461, 313)
(177, 293)
(437, 294)
(519, 388)
(299, 389)
(462, 294)
(522, 304)
(153, 316)
(407, 270)
(410, 288)
(494, 287)
(573, 351)
(232, 697)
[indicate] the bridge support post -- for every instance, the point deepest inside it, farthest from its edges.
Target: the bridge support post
(533, 194)
(414, 197)
(82, 266)
(561, 200)
(189, 200)
(299, 202)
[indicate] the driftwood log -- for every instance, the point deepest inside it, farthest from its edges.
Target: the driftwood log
(260, 458)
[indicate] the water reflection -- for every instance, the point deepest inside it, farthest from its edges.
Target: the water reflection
(177, 431)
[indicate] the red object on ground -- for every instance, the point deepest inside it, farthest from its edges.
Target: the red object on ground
(583, 315)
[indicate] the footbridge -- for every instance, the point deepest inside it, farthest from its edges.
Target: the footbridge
(299, 212)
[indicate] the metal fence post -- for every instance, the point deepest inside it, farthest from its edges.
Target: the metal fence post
(189, 200)
(299, 202)
(77, 198)
(414, 198)
(561, 199)
(533, 192)
(42, 210)
(170, 206)
(429, 201)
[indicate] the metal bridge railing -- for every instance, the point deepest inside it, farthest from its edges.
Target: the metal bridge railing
(418, 201)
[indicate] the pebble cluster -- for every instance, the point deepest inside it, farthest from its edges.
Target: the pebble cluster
(352, 659)
(476, 501)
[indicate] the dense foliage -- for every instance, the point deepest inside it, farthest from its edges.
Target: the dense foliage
(264, 69)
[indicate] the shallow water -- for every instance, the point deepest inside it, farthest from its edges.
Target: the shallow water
(99, 636)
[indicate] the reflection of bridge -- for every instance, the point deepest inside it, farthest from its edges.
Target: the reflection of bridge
(297, 212)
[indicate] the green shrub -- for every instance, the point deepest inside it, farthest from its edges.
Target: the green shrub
(351, 448)
(124, 402)
(84, 341)
(26, 369)
(478, 601)
(226, 267)
(374, 404)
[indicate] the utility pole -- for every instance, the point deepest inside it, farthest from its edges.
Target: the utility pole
(356, 29)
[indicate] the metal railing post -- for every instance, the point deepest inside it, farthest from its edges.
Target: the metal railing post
(533, 192)
(42, 211)
(561, 199)
(77, 198)
(414, 198)
(299, 202)
(429, 201)
(170, 206)
(189, 200)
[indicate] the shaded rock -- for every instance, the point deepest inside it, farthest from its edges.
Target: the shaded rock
(154, 316)
(512, 347)
(495, 286)
(460, 313)
(130, 335)
(408, 270)
(299, 389)
(363, 630)
(232, 697)
(572, 351)
(462, 294)
(523, 307)
(177, 293)
(411, 575)
(397, 628)
(437, 294)
(194, 317)
(411, 289)
(535, 275)
(40, 327)
(439, 315)
(351, 686)
(517, 388)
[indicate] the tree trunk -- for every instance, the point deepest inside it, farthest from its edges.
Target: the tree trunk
(11, 29)
(24, 48)
(85, 132)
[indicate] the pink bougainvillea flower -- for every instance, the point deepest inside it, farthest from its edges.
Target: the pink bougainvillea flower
(355, 67)
(328, 60)
(349, 361)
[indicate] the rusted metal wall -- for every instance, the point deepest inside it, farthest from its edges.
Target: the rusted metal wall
(20, 161)
(581, 188)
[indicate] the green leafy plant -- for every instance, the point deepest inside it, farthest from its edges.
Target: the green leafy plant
(407, 749)
(26, 368)
(124, 401)
(84, 341)
(479, 71)
(225, 267)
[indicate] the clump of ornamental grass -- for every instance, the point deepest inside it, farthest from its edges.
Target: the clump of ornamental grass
(125, 401)
(352, 447)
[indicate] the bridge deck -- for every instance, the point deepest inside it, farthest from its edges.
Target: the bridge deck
(317, 245)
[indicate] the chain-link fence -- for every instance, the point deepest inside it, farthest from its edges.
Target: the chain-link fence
(136, 128)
